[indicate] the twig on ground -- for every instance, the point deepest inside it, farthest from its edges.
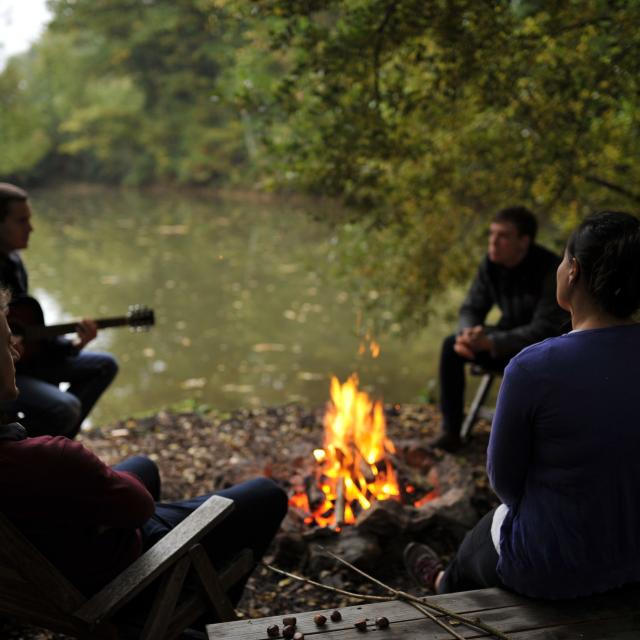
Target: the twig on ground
(350, 594)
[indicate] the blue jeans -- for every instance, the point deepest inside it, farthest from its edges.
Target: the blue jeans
(47, 409)
(260, 506)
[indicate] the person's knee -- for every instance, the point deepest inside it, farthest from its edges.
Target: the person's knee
(262, 493)
(272, 494)
(64, 419)
(278, 497)
(109, 367)
(144, 464)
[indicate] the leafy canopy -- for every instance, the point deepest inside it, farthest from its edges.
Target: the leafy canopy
(428, 116)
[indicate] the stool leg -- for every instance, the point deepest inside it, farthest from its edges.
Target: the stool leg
(478, 401)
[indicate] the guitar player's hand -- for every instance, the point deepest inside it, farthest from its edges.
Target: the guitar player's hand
(87, 330)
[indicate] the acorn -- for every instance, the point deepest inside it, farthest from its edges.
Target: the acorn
(298, 635)
(273, 631)
(336, 616)
(289, 631)
(320, 620)
(382, 622)
(361, 625)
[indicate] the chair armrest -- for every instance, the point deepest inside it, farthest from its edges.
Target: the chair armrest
(151, 564)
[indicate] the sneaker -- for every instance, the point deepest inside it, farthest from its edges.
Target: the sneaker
(446, 441)
(422, 564)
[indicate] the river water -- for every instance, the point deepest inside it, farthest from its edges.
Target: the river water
(248, 311)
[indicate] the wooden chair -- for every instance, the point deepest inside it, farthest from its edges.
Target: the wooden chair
(33, 591)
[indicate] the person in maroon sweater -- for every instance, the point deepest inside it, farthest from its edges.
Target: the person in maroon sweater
(92, 520)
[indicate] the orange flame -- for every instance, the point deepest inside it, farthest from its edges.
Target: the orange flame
(368, 343)
(354, 464)
(354, 467)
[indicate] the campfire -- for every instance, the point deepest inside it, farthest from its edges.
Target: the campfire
(356, 466)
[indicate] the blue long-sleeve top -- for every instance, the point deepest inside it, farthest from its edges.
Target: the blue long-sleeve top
(564, 456)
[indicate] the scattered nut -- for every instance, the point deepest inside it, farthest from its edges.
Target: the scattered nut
(289, 621)
(382, 622)
(289, 631)
(298, 635)
(319, 619)
(336, 616)
(361, 625)
(273, 631)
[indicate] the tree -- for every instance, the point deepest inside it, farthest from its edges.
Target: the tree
(427, 116)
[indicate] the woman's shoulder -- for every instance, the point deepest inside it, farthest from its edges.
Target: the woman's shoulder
(576, 346)
(540, 353)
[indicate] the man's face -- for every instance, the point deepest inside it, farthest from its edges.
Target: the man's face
(8, 357)
(506, 246)
(16, 228)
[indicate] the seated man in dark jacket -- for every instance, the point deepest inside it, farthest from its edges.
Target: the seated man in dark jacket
(519, 277)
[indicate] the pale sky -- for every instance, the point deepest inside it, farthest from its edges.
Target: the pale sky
(21, 22)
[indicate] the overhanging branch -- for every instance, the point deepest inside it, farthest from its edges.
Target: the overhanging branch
(635, 197)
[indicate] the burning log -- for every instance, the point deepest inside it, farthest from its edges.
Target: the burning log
(339, 504)
(365, 469)
(314, 493)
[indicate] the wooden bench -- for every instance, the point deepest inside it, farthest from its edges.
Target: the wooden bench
(612, 616)
(33, 591)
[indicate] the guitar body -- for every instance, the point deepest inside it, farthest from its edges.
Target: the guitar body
(26, 312)
(26, 320)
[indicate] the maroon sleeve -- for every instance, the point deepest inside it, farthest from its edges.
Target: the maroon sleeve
(107, 498)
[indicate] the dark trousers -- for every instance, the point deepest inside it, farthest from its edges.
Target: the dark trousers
(260, 506)
(48, 410)
(452, 382)
(475, 563)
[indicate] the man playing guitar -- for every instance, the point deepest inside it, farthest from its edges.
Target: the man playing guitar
(47, 409)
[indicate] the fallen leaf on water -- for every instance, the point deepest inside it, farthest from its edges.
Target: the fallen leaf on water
(173, 229)
(266, 346)
(193, 383)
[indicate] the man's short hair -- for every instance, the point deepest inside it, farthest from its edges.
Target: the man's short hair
(523, 220)
(10, 193)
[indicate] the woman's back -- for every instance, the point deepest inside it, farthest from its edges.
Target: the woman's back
(564, 456)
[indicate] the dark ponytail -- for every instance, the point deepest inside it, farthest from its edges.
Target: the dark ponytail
(607, 248)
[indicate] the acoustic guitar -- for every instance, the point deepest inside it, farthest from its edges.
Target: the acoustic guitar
(26, 319)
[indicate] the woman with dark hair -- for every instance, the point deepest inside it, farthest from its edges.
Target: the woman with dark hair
(564, 449)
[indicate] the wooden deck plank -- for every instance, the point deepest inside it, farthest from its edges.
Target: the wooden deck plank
(510, 613)
(614, 629)
(464, 602)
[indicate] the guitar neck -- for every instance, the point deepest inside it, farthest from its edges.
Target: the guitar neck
(37, 333)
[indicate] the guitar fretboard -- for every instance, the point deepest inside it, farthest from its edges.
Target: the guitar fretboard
(37, 333)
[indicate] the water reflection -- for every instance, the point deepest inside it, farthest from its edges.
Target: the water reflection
(246, 311)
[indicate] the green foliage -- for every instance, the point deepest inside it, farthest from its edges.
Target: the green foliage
(134, 92)
(426, 117)
(423, 116)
